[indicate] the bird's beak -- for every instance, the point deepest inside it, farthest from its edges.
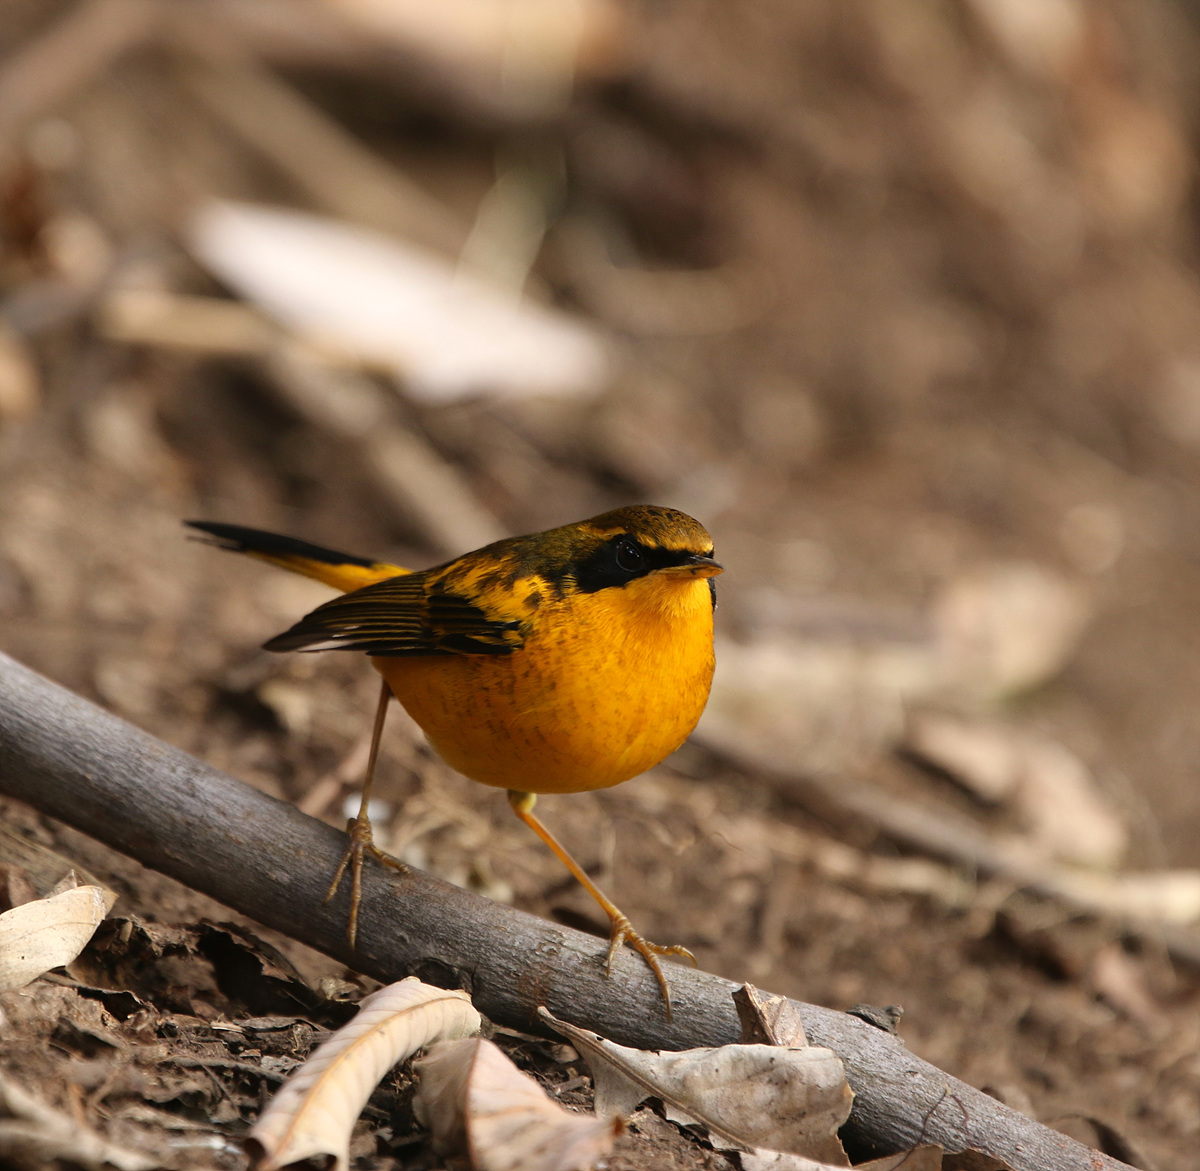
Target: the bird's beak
(694, 566)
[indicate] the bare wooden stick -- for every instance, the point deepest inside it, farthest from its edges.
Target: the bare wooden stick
(74, 761)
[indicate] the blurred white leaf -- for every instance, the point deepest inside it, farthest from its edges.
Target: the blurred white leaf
(833, 698)
(748, 1096)
(1164, 896)
(49, 933)
(523, 53)
(470, 1087)
(1049, 787)
(385, 303)
(1007, 628)
(315, 1110)
(1121, 980)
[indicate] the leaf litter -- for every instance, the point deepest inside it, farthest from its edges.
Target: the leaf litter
(791, 1100)
(471, 1094)
(49, 933)
(317, 1108)
(156, 1022)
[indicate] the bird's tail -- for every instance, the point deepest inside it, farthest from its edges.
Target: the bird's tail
(343, 571)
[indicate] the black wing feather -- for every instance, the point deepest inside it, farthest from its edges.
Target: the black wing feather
(405, 615)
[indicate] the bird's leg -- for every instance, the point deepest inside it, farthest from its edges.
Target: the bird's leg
(359, 829)
(622, 930)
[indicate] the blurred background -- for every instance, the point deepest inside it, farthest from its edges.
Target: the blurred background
(900, 300)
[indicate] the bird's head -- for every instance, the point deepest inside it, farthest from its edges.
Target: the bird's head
(652, 554)
(643, 540)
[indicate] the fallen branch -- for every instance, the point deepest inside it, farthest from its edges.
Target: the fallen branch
(74, 761)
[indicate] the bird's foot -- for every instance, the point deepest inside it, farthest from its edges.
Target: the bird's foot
(623, 932)
(362, 842)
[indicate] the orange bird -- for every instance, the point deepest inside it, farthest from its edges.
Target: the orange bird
(557, 662)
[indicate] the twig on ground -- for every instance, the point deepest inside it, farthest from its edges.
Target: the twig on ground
(74, 761)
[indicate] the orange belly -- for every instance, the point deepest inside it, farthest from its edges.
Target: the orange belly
(606, 686)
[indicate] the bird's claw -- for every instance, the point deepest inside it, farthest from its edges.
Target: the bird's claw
(623, 932)
(362, 841)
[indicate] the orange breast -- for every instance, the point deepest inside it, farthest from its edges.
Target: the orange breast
(606, 686)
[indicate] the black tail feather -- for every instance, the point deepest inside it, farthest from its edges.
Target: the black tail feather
(239, 539)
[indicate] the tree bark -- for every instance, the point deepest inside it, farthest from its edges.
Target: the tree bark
(72, 760)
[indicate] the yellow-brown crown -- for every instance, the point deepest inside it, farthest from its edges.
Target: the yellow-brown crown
(653, 526)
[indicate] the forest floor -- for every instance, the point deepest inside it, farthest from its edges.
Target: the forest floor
(1015, 558)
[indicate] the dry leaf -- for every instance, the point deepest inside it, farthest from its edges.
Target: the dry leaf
(1048, 786)
(471, 1086)
(768, 1020)
(748, 1096)
(49, 933)
(315, 1111)
(1164, 896)
(829, 703)
(382, 302)
(923, 1158)
(1007, 627)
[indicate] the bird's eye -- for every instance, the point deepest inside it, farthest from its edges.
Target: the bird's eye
(630, 558)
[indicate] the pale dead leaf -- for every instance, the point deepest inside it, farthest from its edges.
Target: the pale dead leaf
(1067, 815)
(1165, 896)
(768, 1020)
(923, 1158)
(1049, 787)
(49, 933)
(315, 1111)
(1007, 627)
(748, 1096)
(981, 755)
(829, 702)
(510, 1124)
(381, 302)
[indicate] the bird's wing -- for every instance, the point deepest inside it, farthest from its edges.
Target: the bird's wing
(411, 615)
